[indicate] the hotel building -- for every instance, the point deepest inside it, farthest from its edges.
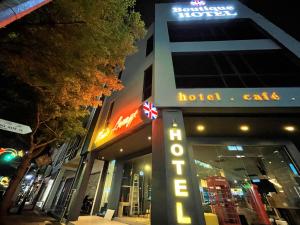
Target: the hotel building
(221, 143)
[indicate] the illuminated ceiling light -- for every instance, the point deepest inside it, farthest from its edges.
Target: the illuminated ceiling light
(231, 99)
(244, 128)
(102, 157)
(290, 128)
(149, 138)
(293, 99)
(121, 150)
(270, 162)
(147, 167)
(174, 124)
(200, 128)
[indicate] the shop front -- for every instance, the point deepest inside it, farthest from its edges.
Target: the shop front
(188, 167)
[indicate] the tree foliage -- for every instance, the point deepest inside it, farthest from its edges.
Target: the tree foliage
(69, 53)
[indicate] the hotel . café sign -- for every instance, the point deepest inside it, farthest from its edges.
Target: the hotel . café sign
(215, 96)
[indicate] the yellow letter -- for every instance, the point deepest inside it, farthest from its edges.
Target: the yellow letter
(177, 149)
(192, 97)
(181, 97)
(178, 164)
(210, 98)
(180, 188)
(247, 97)
(218, 96)
(175, 134)
(201, 97)
(257, 97)
(265, 96)
(180, 217)
(275, 96)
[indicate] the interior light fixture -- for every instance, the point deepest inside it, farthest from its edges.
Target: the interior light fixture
(121, 150)
(200, 128)
(147, 167)
(244, 128)
(149, 138)
(102, 157)
(290, 128)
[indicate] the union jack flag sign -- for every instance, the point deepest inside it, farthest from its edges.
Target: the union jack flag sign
(150, 110)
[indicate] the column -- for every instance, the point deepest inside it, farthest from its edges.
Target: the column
(99, 191)
(114, 196)
(175, 196)
(80, 185)
(54, 189)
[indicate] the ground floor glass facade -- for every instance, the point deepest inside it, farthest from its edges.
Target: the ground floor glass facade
(244, 184)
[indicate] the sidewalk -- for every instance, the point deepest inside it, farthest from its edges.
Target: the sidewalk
(95, 220)
(34, 218)
(28, 218)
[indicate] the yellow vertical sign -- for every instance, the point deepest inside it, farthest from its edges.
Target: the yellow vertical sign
(180, 182)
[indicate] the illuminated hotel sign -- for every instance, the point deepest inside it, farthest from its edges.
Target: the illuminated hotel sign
(199, 9)
(180, 183)
(217, 97)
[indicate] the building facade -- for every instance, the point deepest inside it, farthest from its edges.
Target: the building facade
(206, 130)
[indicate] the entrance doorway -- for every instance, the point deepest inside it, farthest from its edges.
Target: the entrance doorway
(248, 184)
(135, 198)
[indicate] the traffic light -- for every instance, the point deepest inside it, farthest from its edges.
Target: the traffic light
(8, 157)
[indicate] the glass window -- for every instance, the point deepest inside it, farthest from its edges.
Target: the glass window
(234, 29)
(248, 184)
(272, 68)
(135, 198)
(150, 43)
(147, 88)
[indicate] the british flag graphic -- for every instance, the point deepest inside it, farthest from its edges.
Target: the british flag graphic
(150, 110)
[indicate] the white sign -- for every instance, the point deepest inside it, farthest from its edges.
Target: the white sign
(199, 9)
(14, 127)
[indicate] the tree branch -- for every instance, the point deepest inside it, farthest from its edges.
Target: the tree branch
(51, 130)
(46, 143)
(37, 125)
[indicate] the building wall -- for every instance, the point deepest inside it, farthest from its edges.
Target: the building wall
(129, 99)
(164, 82)
(164, 92)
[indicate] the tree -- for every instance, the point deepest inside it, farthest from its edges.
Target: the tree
(69, 53)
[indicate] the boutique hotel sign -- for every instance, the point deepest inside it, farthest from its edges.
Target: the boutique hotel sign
(199, 9)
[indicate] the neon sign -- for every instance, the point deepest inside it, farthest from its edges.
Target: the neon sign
(121, 125)
(180, 182)
(200, 10)
(125, 122)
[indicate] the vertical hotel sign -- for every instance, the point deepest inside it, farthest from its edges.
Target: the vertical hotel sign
(178, 162)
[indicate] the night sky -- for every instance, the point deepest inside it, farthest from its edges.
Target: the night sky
(282, 13)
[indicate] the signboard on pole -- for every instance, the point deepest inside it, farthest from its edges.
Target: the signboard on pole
(14, 127)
